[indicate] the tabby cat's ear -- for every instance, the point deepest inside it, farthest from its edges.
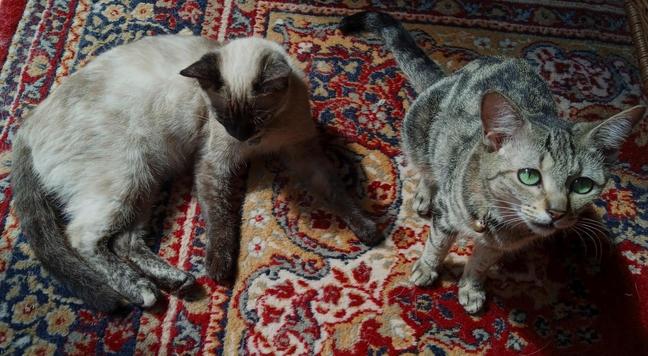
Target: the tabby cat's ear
(500, 119)
(274, 74)
(608, 135)
(206, 70)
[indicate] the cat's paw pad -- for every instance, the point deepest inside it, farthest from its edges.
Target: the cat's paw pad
(423, 274)
(471, 297)
(422, 202)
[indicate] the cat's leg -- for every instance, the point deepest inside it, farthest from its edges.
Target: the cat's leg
(418, 143)
(220, 194)
(308, 163)
(440, 239)
(425, 193)
(130, 246)
(94, 221)
(472, 293)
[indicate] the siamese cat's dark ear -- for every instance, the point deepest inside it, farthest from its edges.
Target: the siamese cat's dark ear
(206, 70)
(608, 135)
(500, 119)
(274, 74)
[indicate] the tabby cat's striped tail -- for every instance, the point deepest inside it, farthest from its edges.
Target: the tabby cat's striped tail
(421, 70)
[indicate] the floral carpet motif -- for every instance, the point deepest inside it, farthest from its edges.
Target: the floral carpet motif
(305, 284)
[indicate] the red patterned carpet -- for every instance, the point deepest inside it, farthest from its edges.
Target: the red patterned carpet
(305, 284)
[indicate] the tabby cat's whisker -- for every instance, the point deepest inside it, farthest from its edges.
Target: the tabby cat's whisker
(592, 236)
(579, 237)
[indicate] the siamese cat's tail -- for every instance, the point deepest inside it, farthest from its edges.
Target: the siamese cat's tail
(419, 68)
(40, 221)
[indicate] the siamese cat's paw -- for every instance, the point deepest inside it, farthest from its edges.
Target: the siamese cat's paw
(182, 281)
(471, 296)
(189, 282)
(367, 231)
(423, 274)
(221, 267)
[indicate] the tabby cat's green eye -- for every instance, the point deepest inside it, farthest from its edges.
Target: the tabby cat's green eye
(582, 185)
(529, 176)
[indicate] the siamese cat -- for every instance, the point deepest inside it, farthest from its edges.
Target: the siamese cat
(96, 151)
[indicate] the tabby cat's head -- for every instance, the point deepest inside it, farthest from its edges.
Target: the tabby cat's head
(246, 82)
(543, 177)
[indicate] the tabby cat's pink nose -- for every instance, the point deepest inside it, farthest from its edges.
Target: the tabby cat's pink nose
(556, 214)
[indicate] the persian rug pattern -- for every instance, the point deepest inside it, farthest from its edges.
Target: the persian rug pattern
(305, 284)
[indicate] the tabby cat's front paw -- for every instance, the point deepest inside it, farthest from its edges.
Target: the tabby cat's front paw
(471, 296)
(423, 274)
(422, 202)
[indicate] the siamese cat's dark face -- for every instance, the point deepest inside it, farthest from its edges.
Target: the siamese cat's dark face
(247, 104)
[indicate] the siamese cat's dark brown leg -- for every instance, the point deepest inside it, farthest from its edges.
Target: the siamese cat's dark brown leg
(220, 189)
(131, 247)
(308, 163)
(90, 236)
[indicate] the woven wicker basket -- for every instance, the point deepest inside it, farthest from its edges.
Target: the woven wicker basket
(638, 21)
